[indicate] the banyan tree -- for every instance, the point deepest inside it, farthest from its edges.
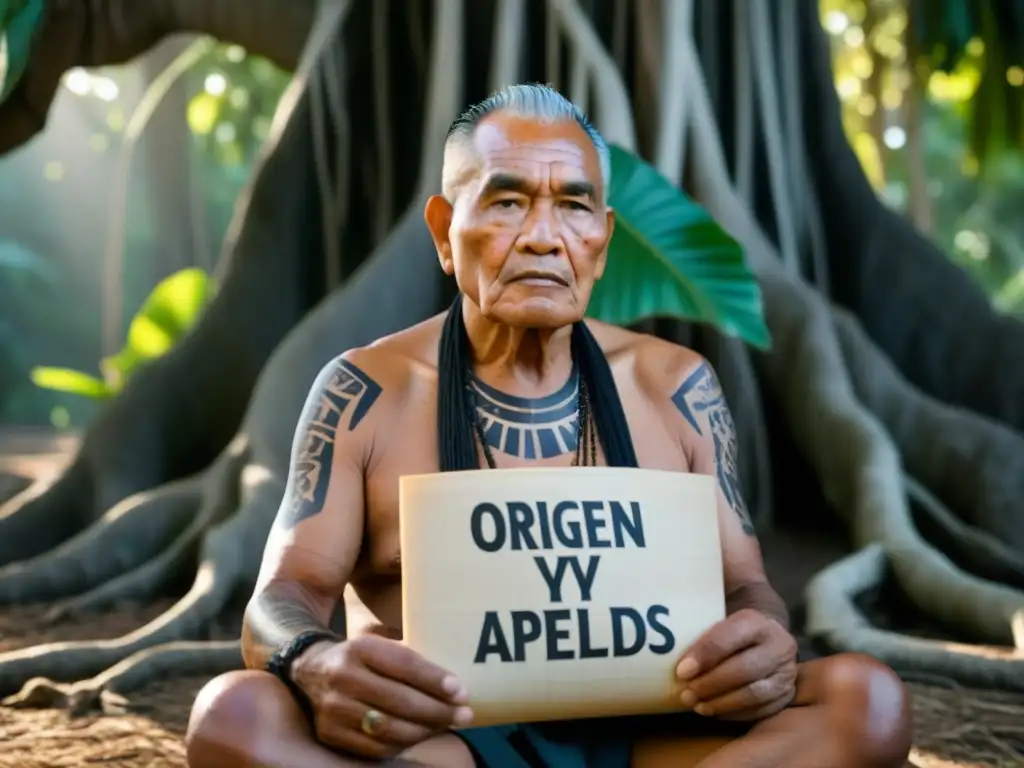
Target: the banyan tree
(891, 402)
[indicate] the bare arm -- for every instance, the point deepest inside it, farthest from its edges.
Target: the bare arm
(710, 435)
(316, 539)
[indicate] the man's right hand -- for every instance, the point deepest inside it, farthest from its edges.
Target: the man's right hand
(345, 680)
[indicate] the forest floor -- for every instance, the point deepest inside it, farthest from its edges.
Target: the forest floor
(954, 727)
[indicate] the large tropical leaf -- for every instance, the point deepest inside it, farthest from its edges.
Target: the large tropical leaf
(19, 21)
(668, 257)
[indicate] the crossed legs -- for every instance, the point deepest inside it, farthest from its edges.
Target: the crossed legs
(850, 712)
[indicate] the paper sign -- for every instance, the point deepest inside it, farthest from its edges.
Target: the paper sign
(560, 593)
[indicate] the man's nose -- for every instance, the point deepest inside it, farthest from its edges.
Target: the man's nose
(540, 235)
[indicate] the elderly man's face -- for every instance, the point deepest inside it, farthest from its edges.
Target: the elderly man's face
(528, 234)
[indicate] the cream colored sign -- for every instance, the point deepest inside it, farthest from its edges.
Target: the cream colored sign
(560, 593)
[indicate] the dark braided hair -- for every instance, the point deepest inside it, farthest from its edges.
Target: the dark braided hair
(456, 436)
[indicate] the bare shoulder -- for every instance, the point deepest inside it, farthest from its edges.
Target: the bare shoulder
(382, 374)
(661, 368)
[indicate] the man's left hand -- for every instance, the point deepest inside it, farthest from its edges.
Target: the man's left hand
(743, 668)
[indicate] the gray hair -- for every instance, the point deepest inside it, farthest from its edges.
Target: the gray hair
(533, 101)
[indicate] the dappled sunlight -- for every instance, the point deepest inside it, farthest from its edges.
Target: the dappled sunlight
(910, 110)
(183, 250)
(128, 215)
(923, 759)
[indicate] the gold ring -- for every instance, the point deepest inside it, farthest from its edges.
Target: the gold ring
(373, 722)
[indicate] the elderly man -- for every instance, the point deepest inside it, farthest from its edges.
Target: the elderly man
(512, 376)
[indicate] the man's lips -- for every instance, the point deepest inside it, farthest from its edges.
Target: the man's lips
(540, 278)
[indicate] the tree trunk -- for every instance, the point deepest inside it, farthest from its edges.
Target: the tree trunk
(924, 312)
(76, 33)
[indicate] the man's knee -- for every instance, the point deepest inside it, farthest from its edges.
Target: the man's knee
(869, 708)
(233, 714)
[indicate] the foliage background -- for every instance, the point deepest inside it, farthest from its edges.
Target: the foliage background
(911, 112)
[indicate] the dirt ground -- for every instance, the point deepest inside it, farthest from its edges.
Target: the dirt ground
(150, 736)
(956, 728)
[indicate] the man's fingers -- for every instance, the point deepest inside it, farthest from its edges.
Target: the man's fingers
(735, 672)
(735, 633)
(775, 691)
(399, 662)
(345, 716)
(403, 701)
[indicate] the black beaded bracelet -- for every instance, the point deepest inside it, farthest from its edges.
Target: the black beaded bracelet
(280, 664)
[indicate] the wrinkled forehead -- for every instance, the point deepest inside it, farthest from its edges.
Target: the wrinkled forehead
(559, 150)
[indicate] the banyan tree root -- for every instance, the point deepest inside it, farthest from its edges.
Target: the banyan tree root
(833, 616)
(217, 498)
(11, 485)
(229, 557)
(399, 286)
(134, 530)
(74, 33)
(151, 534)
(107, 691)
(178, 413)
(854, 458)
(971, 462)
(81, 659)
(971, 548)
(47, 513)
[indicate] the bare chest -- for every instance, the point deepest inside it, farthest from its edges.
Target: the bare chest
(513, 441)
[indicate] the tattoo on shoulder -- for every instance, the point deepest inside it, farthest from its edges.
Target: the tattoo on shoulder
(699, 395)
(347, 388)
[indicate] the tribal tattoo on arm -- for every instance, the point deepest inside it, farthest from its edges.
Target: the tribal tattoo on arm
(345, 387)
(701, 396)
(286, 608)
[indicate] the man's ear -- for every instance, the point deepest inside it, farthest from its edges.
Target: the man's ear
(438, 215)
(602, 260)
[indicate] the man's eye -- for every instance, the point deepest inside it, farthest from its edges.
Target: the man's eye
(507, 204)
(575, 205)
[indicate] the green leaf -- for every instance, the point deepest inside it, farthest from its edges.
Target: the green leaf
(71, 381)
(19, 22)
(119, 367)
(668, 257)
(167, 314)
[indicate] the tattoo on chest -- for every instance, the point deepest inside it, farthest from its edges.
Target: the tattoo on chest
(529, 428)
(701, 394)
(347, 389)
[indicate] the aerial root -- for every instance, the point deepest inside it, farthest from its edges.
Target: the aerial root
(132, 531)
(107, 691)
(983, 610)
(76, 660)
(860, 468)
(971, 548)
(45, 514)
(972, 463)
(11, 485)
(228, 562)
(142, 583)
(833, 616)
(854, 458)
(216, 495)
